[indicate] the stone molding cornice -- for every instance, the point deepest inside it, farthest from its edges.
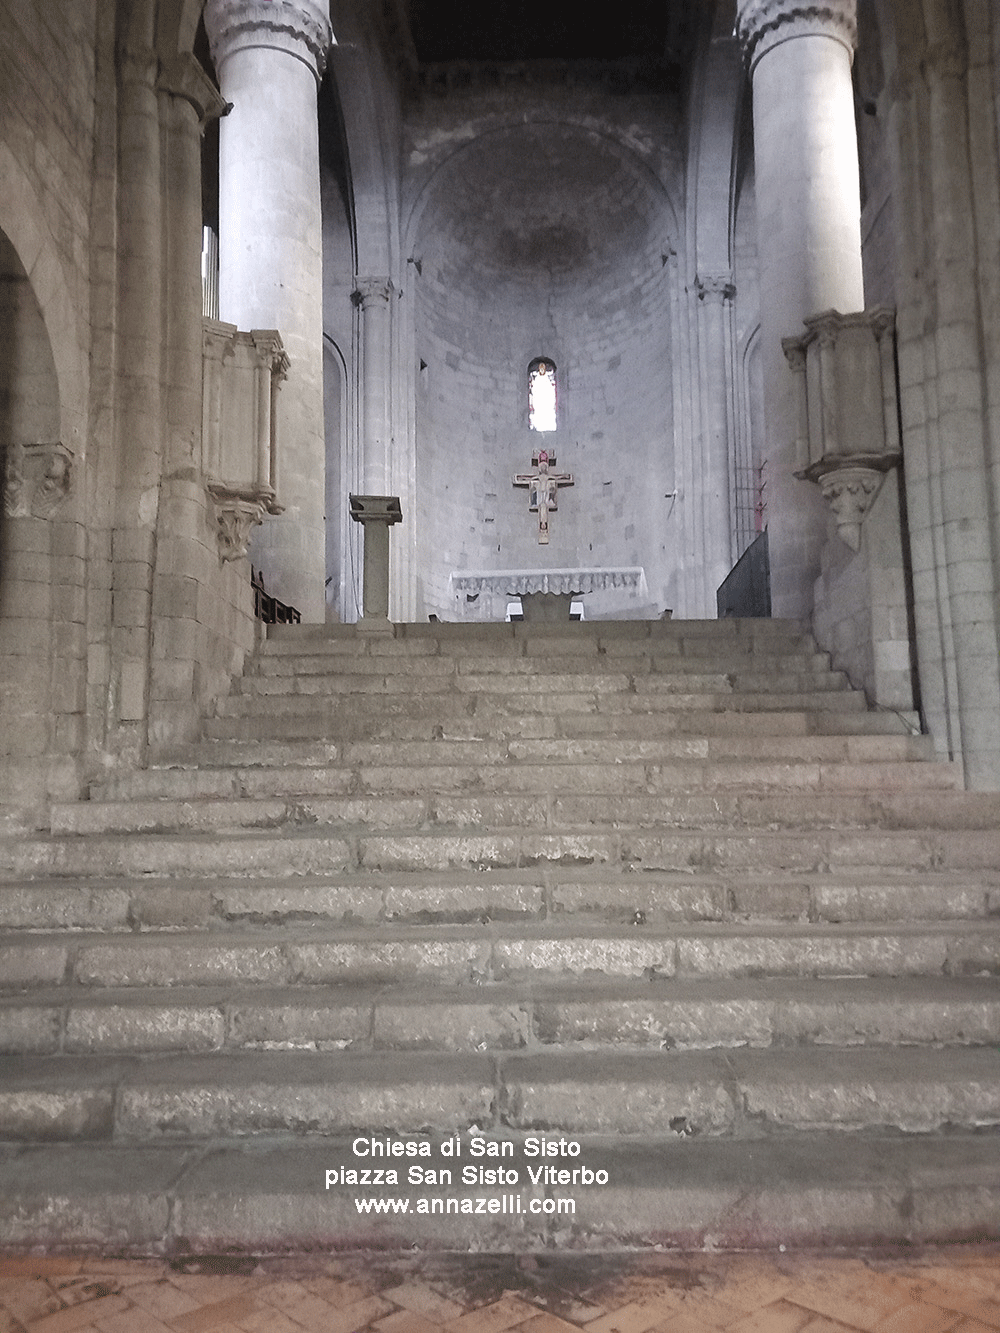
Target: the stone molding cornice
(183, 76)
(762, 25)
(300, 28)
(368, 292)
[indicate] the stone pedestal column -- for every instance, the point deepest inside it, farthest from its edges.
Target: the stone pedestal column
(376, 513)
(808, 239)
(372, 297)
(269, 57)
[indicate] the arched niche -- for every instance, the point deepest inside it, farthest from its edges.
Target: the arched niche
(543, 237)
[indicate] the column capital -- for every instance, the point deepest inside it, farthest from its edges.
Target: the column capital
(715, 287)
(369, 292)
(761, 25)
(300, 28)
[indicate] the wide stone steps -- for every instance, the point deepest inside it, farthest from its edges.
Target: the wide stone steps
(668, 890)
(588, 1015)
(740, 1093)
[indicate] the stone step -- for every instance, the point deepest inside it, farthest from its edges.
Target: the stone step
(811, 749)
(411, 684)
(304, 851)
(485, 725)
(815, 1189)
(753, 635)
(396, 776)
(454, 955)
(660, 1014)
(455, 897)
(608, 694)
(655, 804)
(743, 1094)
(630, 660)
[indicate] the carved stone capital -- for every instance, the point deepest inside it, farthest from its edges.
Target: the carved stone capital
(38, 479)
(271, 351)
(762, 25)
(715, 287)
(183, 76)
(300, 28)
(238, 510)
(370, 293)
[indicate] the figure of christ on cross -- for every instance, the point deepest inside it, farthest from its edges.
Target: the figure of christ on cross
(543, 490)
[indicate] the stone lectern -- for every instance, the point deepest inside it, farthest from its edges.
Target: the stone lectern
(376, 513)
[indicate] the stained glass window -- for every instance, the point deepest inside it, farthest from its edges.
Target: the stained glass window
(542, 394)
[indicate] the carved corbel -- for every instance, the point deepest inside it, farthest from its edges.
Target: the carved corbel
(850, 485)
(38, 479)
(238, 510)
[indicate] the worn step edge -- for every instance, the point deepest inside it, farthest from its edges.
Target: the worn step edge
(330, 955)
(742, 1093)
(303, 852)
(550, 812)
(511, 774)
(456, 897)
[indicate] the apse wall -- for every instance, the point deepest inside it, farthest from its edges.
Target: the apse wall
(542, 240)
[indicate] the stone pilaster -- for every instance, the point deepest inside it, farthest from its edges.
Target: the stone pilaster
(809, 239)
(270, 55)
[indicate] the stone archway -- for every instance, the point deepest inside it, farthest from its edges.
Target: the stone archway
(41, 609)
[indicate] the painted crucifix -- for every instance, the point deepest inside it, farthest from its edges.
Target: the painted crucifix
(543, 489)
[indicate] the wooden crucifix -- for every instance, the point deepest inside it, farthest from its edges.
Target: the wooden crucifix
(543, 489)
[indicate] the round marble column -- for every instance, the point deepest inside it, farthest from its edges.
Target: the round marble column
(808, 239)
(269, 56)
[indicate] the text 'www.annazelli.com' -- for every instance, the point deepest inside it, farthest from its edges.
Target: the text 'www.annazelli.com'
(430, 1205)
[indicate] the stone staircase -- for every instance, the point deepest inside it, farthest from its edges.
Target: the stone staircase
(658, 900)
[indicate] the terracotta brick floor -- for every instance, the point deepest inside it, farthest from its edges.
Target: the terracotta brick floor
(938, 1291)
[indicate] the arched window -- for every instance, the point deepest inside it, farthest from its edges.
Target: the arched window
(542, 394)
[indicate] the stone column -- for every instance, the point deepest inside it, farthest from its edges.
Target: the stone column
(715, 294)
(373, 297)
(808, 239)
(270, 55)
